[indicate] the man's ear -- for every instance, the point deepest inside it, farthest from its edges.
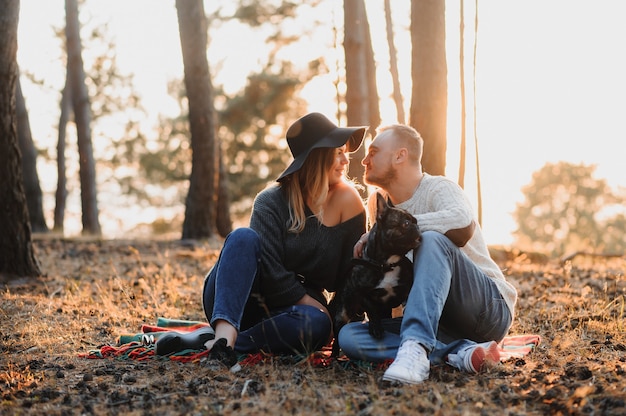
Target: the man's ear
(401, 154)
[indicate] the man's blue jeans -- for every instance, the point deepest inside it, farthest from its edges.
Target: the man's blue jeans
(452, 304)
(232, 293)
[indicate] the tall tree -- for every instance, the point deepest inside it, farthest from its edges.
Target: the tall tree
(461, 180)
(393, 65)
(479, 191)
(60, 196)
(429, 74)
(82, 119)
(34, 196)
(17, 257)
(200, 206)
(361, 92)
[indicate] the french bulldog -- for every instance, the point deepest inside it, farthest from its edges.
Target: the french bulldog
(381, 279)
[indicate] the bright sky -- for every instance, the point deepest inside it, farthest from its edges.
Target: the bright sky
(550, 82)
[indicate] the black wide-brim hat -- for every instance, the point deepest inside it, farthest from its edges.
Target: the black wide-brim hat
(314, 131)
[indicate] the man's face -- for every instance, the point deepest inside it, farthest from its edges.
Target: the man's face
(379, 168)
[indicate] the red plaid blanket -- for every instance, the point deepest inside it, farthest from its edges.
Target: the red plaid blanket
(140, 346)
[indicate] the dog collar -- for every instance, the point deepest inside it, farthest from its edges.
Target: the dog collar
(381, 267)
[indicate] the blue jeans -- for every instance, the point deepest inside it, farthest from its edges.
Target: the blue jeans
(452, 304)
(232, 292)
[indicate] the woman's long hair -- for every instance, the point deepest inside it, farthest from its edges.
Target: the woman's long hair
(309, 182)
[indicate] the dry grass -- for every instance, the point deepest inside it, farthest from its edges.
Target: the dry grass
(94, 291)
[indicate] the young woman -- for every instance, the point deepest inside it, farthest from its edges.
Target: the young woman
(266, 290)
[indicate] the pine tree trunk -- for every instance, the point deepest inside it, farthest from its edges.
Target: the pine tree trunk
(200, 206)
(393, 66)
(61, 193)
(17, 256)
(429, 73)
(463, 98)
(479, 192)
(361, 92)
(32, 189)
(82, 118)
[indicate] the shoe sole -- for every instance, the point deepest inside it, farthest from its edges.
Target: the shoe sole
(485, 357)
(176, 341)
(401, 380)
(397, 378)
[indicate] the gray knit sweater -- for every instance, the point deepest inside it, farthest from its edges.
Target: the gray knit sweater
(307, 262)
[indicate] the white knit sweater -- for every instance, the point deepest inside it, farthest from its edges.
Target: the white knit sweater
(439, 204)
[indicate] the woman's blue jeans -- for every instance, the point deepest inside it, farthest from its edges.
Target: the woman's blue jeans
(452, 304)
(232, 292)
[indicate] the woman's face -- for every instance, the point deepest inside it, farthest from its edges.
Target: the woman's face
(338, 168)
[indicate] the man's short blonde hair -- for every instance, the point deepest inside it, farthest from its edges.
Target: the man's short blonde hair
(407, 137)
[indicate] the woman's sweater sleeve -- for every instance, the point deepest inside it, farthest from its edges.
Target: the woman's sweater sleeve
(269, 218)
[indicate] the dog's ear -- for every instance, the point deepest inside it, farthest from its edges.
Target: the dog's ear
(381, 206)
(389, 203)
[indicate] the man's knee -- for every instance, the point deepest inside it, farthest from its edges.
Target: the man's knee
(349, 337)
(434, 237)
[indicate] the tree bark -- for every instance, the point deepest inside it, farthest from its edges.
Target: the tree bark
(61, 193)
(82, 118)
(479, 191)
(429, 100)
(393, 66)
(361, 92)
(32, 189)
(463, 98)
(17, 257)
(200, 206)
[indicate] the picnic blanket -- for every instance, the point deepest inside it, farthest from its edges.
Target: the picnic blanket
(140, 346)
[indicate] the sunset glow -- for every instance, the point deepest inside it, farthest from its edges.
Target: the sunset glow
(550, 85)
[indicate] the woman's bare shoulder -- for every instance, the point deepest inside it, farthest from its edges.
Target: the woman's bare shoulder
(347, 198)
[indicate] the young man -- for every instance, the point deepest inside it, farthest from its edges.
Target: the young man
(460, 304)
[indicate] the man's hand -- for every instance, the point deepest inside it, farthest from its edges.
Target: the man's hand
(357, 252)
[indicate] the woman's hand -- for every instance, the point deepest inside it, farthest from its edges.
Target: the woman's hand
(359, 246)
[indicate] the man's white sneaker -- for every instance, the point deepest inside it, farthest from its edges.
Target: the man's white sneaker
(475, 357)
(411, 364)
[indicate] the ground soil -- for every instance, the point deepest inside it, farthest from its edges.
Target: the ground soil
(92, 291)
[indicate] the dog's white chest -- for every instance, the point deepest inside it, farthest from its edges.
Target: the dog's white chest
(390, 279)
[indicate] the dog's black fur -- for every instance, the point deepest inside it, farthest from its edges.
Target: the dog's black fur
(382, 278)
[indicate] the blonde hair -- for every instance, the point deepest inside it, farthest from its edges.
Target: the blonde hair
(308, 182)
(408, 137)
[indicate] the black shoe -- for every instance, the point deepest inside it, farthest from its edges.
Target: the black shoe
(223, 353)
(172, 342)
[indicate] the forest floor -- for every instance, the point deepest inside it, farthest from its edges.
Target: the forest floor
(93, 291)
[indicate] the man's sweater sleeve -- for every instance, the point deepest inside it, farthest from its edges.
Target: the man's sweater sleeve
(447, 208)
(439, 205)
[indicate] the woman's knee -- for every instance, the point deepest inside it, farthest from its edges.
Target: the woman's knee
(318, 322)
(244, 237)
(314, 327)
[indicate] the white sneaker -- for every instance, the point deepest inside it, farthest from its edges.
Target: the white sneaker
(475, 357)
(411, 364)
